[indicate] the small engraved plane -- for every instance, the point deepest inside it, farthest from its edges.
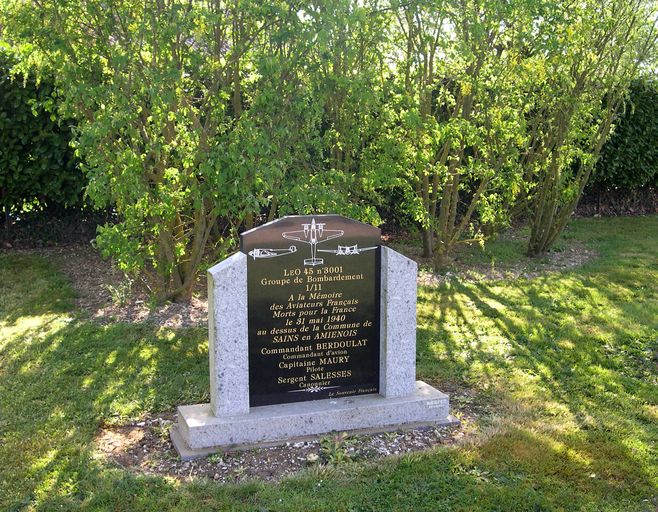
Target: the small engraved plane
(271, 253)
(348, 250)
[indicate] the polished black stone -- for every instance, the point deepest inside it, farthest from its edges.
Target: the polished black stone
(314, 306)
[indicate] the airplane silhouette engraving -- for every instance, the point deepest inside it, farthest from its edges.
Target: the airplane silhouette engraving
(271, 253)
(313, 234)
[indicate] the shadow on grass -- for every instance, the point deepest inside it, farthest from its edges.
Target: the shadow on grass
(572, 355)
(77, 376)
(66, 378)
(62, 377)
(42, 289)
(575, 353)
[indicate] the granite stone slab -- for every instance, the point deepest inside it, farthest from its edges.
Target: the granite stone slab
(397, 373)
(228, 336)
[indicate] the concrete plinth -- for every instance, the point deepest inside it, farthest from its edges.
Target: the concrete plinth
(199, 432)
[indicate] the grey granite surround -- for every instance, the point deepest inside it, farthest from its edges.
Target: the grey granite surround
(227, 329)
(228, 421)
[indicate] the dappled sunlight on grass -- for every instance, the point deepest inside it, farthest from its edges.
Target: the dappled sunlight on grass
(581, 348)
(77, 376)
(566, 362)
(60, 378)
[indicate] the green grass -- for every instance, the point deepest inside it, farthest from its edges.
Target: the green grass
(566, 363)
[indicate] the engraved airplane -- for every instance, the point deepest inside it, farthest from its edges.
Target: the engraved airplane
(271, 253)
(348, 250)
(313, 234)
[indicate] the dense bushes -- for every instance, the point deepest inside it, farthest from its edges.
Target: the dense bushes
(629, 159)
(37, 166)
(197, 119)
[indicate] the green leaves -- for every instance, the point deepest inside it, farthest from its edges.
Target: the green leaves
(629, 159)
(36, 164)
(198, 119)
(589, 53)
(195, 118)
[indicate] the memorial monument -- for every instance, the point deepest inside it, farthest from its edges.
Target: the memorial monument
(312, 329)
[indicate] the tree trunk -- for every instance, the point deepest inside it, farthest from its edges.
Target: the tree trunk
(441, 252)
(184, 293)
(427, 236)
(248, 220)
(7, 221)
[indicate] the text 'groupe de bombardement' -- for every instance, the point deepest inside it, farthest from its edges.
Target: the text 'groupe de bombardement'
(312, 279)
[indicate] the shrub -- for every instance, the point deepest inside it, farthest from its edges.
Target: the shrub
(37, 166)
(629, 159)
(194, 119)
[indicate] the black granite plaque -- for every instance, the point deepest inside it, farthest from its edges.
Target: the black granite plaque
(313, 296)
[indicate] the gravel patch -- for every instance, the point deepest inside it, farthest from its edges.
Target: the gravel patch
(144, 447)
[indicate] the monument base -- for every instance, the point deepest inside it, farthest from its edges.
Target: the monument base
(199, 432)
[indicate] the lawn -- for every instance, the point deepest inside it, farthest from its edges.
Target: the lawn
(565, 364)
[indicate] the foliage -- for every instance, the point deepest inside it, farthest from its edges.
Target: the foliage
(216, 458)
(334, 448)
(37, 167)
(564, 365)
(454, 118)
(318, 96)
(629, 159)
(193, 117)
(198, 119)
(583, 59)
(498, 100)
